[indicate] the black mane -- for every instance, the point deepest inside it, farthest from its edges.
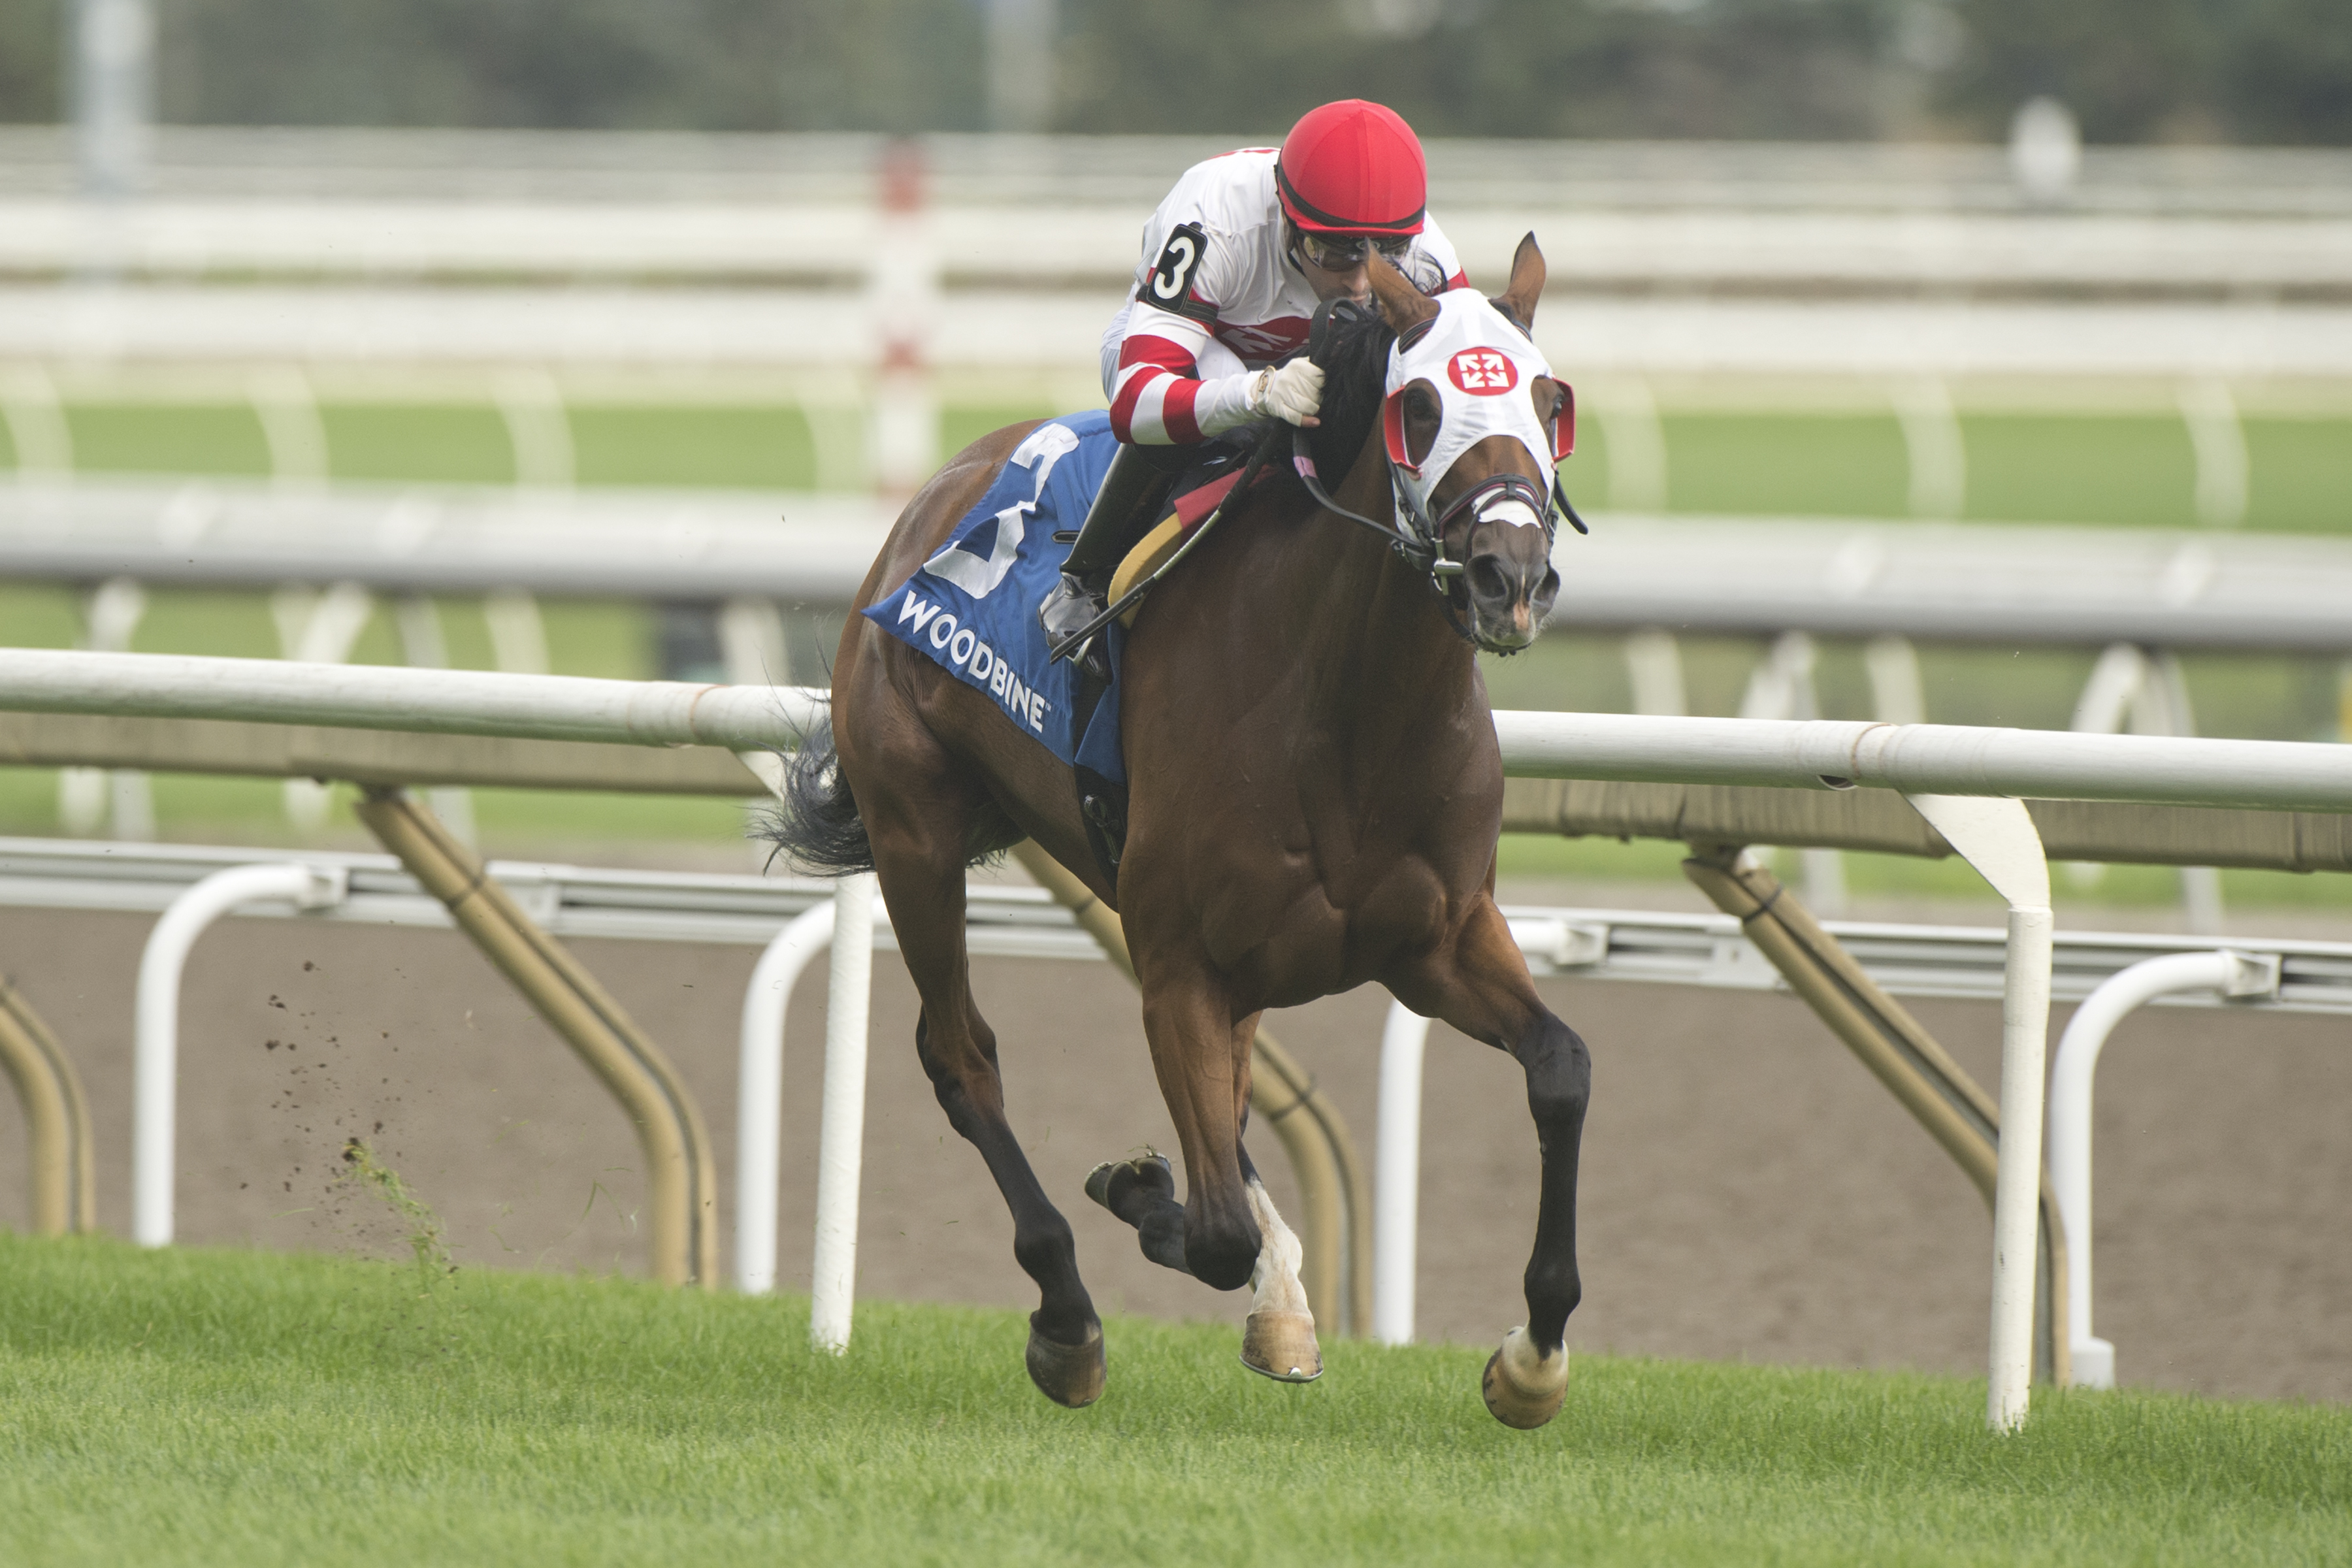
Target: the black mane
(1353, 355)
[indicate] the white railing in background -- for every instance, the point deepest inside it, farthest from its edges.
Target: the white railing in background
(1012, 332)
(1852, 577)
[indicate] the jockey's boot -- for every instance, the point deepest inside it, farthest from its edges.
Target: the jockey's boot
(1133, 490)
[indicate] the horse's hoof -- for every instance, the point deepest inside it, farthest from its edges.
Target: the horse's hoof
(1281, 1345)
(1067, 1375)
(1523, 1387)
(1108, 1180)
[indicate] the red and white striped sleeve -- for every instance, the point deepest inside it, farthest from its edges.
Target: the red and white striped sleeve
(1152, 402)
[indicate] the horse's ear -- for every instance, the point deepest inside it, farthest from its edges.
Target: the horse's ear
(1526, 282)
(1402, 306)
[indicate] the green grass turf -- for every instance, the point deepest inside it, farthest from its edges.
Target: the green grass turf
(1834, 465)
(212, 1407)
(2136, 469)
(222, 438)
(750, 449)
(2299, 474)
(2138, 472)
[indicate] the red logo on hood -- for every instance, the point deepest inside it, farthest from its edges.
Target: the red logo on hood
(1483, 373)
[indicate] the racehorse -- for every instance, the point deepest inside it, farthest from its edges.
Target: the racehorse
(1316, 799)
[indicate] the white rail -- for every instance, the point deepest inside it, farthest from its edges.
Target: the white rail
(1917, 758)
(1057, 242)
(1838, 577)
(2227, 972)
(156, 1054)
(996, 328)
(759, 1093)
(427, 702)
(1635, 946)
(841, 1135)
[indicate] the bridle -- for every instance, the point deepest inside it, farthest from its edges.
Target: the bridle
(1420, 542)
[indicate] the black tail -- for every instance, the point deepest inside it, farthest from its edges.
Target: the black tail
(815, 827)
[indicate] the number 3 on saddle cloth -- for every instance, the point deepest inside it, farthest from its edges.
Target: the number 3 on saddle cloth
(972, 608)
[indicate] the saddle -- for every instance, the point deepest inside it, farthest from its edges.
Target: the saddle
(1197, 492)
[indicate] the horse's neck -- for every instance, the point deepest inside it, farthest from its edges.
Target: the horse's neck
(1384, 660)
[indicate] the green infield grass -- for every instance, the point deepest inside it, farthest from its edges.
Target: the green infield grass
(189, 1406)
(2136, 469)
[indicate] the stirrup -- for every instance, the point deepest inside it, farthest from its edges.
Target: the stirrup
(1074, 603)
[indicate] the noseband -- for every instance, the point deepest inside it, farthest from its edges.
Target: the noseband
(1422, 542)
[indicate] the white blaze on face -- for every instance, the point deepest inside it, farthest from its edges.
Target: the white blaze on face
(1518, 513)
(1485, 371)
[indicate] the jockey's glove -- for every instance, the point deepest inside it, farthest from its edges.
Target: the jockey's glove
(1292, 392)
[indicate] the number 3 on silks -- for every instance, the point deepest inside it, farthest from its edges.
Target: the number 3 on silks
(1171, 280)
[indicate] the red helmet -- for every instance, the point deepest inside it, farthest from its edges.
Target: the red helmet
(1353, 167)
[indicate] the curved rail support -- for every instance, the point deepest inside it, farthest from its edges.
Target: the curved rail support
(841, 1137)
(155, 1071)
(681, 1175)
(1404, 1042)
(1883, 1036)
(57, 1120)
(1996, 837)
(2230, 973)
(759, 1089)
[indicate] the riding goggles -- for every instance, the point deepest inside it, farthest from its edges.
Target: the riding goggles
(1345, 252)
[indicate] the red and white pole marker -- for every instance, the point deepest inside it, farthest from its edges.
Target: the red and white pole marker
(903, 434)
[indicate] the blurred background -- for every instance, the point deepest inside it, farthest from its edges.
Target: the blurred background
(335, 328)
(1985, 362)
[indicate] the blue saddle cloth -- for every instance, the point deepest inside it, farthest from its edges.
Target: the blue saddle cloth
(972, 608)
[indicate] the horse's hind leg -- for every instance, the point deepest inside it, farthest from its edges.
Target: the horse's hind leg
(919, 851)
(1479, 983)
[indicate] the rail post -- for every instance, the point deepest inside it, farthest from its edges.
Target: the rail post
(1882, 1033)
(155, 1091)
(759, 1093)
(1396, 1242)
(841, 1135)
(57, 1118)
(681, 1176)
(2233, 974)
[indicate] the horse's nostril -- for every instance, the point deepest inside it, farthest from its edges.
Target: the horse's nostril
(1489, 581)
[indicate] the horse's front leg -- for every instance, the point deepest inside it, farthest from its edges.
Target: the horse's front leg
(1278, 1339)
(1201, 1061)
(1479, 983)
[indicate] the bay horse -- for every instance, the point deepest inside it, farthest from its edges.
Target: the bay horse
(1316, 796)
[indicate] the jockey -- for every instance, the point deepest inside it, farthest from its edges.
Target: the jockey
(1234, 261)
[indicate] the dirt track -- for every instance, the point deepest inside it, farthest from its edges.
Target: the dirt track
(1750, 1192)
